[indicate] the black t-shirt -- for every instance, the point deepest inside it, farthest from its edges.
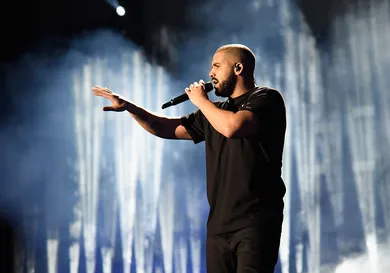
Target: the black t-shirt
(244, 183)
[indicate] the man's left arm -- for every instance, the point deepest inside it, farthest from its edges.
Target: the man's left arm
(232, 125)
(243, 123)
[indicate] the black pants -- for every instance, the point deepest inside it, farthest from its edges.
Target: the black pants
(249, 250)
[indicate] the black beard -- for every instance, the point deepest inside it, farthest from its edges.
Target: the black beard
(226, 87)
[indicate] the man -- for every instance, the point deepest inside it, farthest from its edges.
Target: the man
(244, 137)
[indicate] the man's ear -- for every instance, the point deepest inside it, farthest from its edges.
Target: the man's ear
(238, 68)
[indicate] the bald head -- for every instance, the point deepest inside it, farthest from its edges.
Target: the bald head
(242, 54)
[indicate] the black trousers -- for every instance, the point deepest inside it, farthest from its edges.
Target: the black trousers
(249, 250)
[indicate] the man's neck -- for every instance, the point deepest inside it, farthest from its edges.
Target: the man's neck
(241, 89)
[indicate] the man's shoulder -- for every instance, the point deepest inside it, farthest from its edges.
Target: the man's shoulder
(266, 92)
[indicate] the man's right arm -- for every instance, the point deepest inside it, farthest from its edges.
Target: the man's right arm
(163, 127)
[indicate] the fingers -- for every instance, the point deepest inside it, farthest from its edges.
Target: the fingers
(108, 108)
(201, 83)
(102, 91)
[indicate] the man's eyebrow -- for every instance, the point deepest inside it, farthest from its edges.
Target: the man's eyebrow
(216, 63)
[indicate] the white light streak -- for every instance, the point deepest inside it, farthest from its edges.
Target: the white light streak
(194, 214)
(361, 127)
(30, 225)
(74, 254)
(75, 226)
(149, 152)
(108, 191)
(127, 168)
(284, 251)
(306, 133)
(52, 251)
(380, 33)
(166, 216)
(180, 254)
(107, 254)
(88, 120)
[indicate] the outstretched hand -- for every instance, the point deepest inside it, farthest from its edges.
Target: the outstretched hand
(118, 104)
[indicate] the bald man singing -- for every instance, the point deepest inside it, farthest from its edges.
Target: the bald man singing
(244, 138)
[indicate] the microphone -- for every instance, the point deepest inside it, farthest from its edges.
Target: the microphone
(208, 86)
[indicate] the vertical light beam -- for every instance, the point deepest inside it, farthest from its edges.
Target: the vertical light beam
(88, 121)
(166, 216)
(127, 169)
(194, 213)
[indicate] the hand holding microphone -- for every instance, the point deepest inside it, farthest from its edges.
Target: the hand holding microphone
(197, 91)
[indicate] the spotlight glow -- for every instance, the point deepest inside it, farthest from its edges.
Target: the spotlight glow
(120, 11)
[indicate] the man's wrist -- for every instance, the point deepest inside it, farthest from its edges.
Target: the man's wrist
(130, 107)
(204, 103)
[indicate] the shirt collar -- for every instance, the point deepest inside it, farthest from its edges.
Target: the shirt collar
(238, 100)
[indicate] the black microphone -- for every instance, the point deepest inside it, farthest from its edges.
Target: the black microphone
(208, 86)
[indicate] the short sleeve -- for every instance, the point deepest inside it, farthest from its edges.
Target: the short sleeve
(257, 102)
(194, 124)
(260, 104)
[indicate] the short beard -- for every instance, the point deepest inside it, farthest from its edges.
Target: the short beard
(227, 86)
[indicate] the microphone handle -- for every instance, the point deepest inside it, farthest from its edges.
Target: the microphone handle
(183, 97)
(175, 101)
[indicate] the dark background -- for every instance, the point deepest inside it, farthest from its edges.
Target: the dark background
(47, 27)
(25, 23)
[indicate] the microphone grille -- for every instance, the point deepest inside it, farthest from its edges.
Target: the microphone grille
(208, 86)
